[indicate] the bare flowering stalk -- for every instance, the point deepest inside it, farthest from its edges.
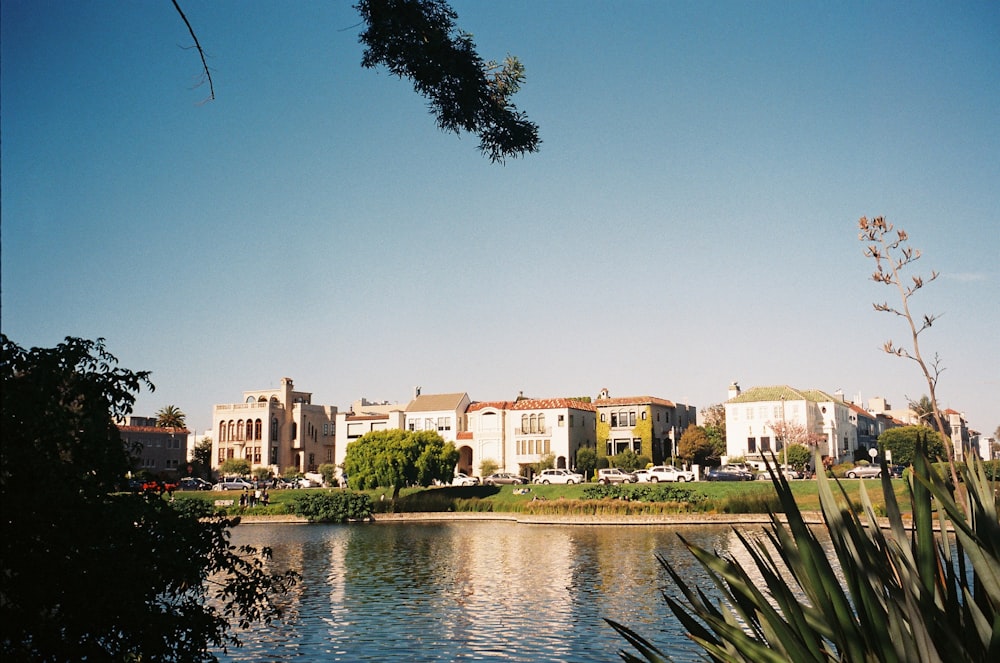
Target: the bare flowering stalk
(892, 253)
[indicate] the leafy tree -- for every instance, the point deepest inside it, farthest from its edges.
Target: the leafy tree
(627, 460)
(798, 455)
(586, 461)
(889, 594)
(89, 573)
(547, 462)
(892, 254)
(329, 473)
(902, 443)
(201, 457)
(170, 417)
(398, 458)
(694, 446)
(238, 467)
(261, 473)
(488, 466)
(418, 40)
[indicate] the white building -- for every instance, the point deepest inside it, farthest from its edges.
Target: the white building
(518, 434)
(751, 418)
(277, 428)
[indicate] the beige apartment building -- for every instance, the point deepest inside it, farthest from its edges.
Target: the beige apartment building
(276, 428)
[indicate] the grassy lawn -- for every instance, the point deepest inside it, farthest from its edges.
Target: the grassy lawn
(708, 497)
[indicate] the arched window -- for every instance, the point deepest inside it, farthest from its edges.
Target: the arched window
(222, 431)
(274, 429)
(541, 423)
(256, 429)
(524, 423)
(249, 429)
(232, 430)
(533, 423)
(250, 399)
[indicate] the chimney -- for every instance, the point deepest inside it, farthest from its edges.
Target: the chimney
(734, 390)
(416, 392)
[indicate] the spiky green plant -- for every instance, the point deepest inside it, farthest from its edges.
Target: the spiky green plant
(925, 591)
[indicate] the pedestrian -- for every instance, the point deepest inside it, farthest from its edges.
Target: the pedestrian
(265, 498)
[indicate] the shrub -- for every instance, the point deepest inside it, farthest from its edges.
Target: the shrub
(335, 506)
(888, 595)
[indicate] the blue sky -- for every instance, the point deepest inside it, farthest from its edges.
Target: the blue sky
(690, 220)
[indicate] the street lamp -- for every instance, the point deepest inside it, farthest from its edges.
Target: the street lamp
(784, 432)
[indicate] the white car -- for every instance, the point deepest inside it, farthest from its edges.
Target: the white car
(558, 476)
(462, 479)
(669, 473)
(642, 476)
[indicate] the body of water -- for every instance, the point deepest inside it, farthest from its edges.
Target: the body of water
(478, 591)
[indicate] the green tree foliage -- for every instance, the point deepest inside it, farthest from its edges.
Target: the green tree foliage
(888, 594)
(547, 462)
(418, 40)
(397, 458)
(328, 472)
(335, 506)
(235, 467)
(627, 460)
(798, 455)
(488, 466)
(902, 443)
(695, 447)
(261, 473)
(201, 457)
(586, 461)
(171, 416)
(91, 574)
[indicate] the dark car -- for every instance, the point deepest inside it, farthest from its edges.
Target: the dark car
(504, 478)
(728, 474)
(194, 483)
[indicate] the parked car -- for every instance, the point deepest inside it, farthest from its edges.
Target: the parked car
(864, 472)
(727, 473)
(608, 475)
(787, 471)
(462, 479)
(642, 476)
(232, 483)
(194, 483)
(558, 476)
(669, 473)
(504, 478)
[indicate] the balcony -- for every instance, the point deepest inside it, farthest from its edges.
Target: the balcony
(545, 431)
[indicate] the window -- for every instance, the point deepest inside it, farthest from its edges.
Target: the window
(765, 443)
(257, 429)
(329, 455)
(643, 415)
(571, 421)
(752, 445)
(637, 444)
(603, 417)
(749, 414)
(541, 423)
(614, 420)
(631, 418)
(274, 428)
(561, 420)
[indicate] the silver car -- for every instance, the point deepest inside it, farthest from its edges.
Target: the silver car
(864, 472)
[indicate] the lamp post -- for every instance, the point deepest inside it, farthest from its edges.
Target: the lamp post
(784, 432)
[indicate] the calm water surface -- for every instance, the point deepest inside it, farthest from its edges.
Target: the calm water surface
(478, 591)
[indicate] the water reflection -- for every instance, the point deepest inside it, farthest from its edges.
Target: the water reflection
(487, 591)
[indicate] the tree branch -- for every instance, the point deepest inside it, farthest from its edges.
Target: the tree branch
(201, 52)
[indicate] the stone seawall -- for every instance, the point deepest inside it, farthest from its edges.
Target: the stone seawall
(812, 518)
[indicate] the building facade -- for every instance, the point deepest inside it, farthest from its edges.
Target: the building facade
(755, 417)
(276, 428)
(646, 425)
(155, 449)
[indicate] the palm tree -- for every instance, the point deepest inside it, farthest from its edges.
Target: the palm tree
(170, 416)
